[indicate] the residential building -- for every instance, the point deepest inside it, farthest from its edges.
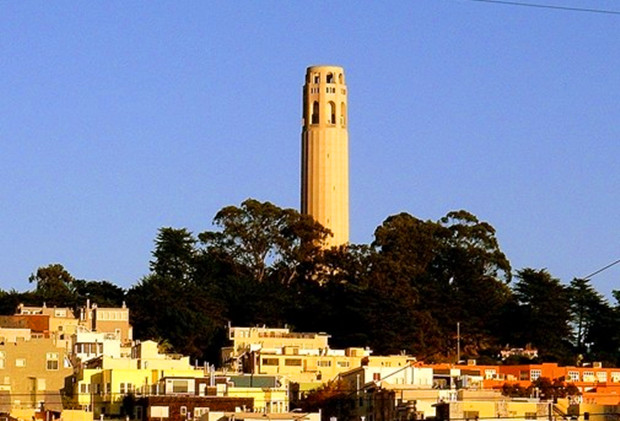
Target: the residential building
(107, 320)
(182, 408)
(32, 374)
(303, 358)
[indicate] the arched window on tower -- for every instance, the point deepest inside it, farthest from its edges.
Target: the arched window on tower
(315, 113)
(330, 78)
(331, 113)
(317, 78)
(343, 114)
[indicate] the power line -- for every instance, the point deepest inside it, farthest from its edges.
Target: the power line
(551, 6)
(602, 269)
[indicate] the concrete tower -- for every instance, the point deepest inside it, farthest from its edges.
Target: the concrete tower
(325, 151)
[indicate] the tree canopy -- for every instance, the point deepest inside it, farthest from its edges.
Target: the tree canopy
(405, 291)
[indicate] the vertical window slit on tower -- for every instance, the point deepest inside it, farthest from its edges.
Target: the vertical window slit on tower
(331, 116)
(315, 113)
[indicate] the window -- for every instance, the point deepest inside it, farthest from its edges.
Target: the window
(573, 376)
(315, 113)
(123, 389)
(2, 359)
(271, 361)
(184, 410)
(490, 373)
(199, 411)
(535, 374)
(342, 363)
(343, 111)
(179, 386)
(530, 415)
(317, 78)
(324, 363)
(330, 78)
(20, 362)
(470, 415)
(292, 362)
(523, 375)
(51, 361)
(331, 113)
(340, 78)
(615, 376)
(601, 376)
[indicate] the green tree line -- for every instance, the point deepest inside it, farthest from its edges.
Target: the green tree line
(404, 292)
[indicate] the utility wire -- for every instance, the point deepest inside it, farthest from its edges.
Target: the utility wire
(551, 6)
(602, 269)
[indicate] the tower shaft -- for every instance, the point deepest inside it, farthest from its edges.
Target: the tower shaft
(325, 151)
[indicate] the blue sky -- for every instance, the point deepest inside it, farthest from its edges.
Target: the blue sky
(118, 118)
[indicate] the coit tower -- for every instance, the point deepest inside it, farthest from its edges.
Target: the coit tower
(325, 151)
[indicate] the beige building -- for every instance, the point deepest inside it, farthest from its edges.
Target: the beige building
(41, 346)
(325, 151)
(109, 320)
(61, 319)
(32, 373)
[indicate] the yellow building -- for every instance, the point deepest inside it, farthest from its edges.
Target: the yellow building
(270, 393)
(303, 358)
(480, 405)
(101, 383)
(325, 151)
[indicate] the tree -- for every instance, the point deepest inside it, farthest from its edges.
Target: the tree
(264, 239)
(174, 254)
(407, 299)
(545, 313)
(585, 304)
(55, 285)
(333, 399)
(181, 313)
(427, 276)
(171, 304)
(10, 300)
(477, 271)
(103, 293)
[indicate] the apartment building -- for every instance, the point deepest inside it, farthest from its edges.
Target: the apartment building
(303, 358)
(113, 320)
(61, 320)
(32, 373)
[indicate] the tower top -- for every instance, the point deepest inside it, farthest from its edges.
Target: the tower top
(325, 74)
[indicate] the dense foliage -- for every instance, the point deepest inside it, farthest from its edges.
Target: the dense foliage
(406, 291)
